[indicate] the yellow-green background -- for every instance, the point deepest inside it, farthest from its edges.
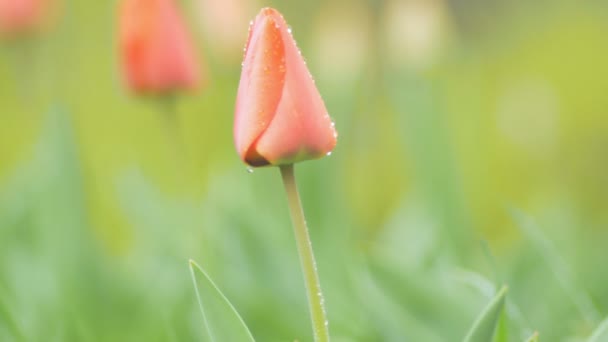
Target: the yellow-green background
(477, 160)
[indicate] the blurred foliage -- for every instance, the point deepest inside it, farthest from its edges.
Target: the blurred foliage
(472, 153)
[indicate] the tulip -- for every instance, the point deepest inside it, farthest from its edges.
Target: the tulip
(22, 16)
(156, 52)
(280, 117)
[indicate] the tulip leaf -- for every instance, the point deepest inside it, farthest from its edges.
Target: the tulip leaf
(601, 333)
(222, 321)
(533, 338)
(485, 324)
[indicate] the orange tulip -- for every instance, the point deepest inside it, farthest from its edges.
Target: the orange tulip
(22, 16)
(156, 52)
(280, 117)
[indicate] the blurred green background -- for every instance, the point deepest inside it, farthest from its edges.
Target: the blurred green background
(473, 152)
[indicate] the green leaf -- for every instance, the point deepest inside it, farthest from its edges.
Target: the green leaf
(533, 338)
(221, 319)
(601, 333)
(485, 324)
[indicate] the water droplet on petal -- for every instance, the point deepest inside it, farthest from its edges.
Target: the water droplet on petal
(328, 153)
(289, 29)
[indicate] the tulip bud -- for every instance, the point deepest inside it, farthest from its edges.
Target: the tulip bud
(280, 117)
(22, 16)
(156, 52)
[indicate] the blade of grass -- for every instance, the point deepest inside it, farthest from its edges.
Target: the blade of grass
(557, 266)
(485, 324)
(222, 321)
(486, 288)
(601, 333)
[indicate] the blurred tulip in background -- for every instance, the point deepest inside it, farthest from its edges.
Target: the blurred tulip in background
(156, 50)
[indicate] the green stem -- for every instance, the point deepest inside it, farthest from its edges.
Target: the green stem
(168, 106)
(307, 258)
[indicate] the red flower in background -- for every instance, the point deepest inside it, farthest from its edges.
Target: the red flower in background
(156, 51)
(280, 117)
(22, 16)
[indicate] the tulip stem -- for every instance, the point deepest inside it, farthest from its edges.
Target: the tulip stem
(169, 112)
(168, 105)
(307, 258)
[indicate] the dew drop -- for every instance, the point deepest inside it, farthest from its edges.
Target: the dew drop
(328, 153)
(289, 29)
(249, 169)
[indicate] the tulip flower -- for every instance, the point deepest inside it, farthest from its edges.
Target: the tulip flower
(22, 16)
(156, 52)
(280, 117)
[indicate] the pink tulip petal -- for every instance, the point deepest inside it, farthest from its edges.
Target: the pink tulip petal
(260, 88)
(280, 116)
(301, 127)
